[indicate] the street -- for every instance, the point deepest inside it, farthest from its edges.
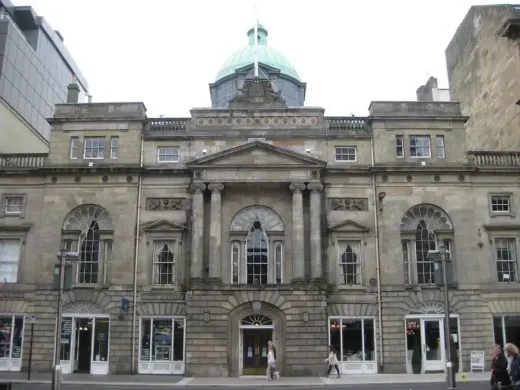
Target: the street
(421, 386)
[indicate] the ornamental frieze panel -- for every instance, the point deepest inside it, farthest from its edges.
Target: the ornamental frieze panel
(165, 204)
(259, 121)
(348, 204)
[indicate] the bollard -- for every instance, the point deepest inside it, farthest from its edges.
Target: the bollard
(57, 378)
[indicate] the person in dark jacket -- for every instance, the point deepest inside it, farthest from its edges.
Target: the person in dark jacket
(512, 353)
(499, 372)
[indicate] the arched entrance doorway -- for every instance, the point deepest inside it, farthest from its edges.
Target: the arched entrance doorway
(256, 330)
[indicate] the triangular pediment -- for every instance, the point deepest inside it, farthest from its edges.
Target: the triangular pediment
(162, 225)
(349, 225)
(256, 154)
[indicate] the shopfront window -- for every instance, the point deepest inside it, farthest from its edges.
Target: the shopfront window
(506, 329)
(353, 338)
(162, 339)
(101, 340)
(66, 336)
(11, 339)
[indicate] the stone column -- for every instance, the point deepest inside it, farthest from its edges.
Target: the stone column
(215, 233)
(298, 234)
(315, 231)
(197, 232)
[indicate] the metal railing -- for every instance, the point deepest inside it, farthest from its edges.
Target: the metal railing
(22, 160)
(494, 158)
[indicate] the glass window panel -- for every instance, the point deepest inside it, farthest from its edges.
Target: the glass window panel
(420, 146)
(9, 258)
(168, 154)
(425, 241)
(6, 325)
(235, 262)
(278, 256)
(506, 259)
(17, 338)
(178, 339)
(512, 327)
(89, 256)
(346, 153)
(349, 263)
(164, 262)
(368, 340)
(441, 152)
(498, 331)
(335, 335)
(101, 340)
(352, 339)
(145, 339)
(66, 337)
(94, 147)
(162, 339)
(257, 255)
(399, 146)
(406, 261)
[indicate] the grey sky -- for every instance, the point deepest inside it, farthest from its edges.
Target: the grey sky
(165, 52)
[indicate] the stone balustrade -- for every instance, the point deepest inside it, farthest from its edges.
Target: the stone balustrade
(167, 124)
(493, 158)
(22, 160)
(347, 123)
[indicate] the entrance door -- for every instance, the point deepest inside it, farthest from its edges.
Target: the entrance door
(83, 353)
(255, 350)
(432, 339)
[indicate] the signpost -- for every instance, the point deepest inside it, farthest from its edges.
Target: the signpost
(33, 321)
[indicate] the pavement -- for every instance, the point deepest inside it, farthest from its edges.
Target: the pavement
(473, 381)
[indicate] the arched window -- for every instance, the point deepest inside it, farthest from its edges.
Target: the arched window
(424, 228)
(88, 230)
(257, 247)
(350, 263)
(257, 255)
(164, 263)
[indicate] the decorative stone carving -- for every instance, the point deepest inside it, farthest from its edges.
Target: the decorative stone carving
(434, 218)
(163, 297)
(216, 187)
(82, 307)
(245, 217)
(315, 187)
(296, 187)
(12, 295)
(429, 307)
(195, 187)
(257, 320)
(165, 204)
(81, 218)
(348, 204)
(257, 93)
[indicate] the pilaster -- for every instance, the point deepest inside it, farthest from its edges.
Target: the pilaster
(197, 232)
(315, 231)
(215, 240)
(298, 233)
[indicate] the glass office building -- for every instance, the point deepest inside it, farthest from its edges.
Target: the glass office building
(35, 66)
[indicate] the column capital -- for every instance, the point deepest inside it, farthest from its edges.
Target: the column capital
(315, 187)
(216, 187)
(296, 187)
(196, 187)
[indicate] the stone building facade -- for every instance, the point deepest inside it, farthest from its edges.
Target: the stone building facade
(483, 62)
(200, 239)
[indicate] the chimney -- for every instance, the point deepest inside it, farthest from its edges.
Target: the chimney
(73, 91)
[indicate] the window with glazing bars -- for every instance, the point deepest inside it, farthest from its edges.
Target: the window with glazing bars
(164, 262)
(506, 259)
(349, 263)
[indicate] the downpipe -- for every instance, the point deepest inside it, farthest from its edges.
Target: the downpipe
(136, 252)
(378, 259)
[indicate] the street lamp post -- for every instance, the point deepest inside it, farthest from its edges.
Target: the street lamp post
(63, 256)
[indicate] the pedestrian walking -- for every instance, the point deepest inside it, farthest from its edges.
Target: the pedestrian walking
(512, 353)
(271, 367)
(499, 373)
(333, 361)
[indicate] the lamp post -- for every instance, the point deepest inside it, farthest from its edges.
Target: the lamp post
(440, 260)
(63, 256)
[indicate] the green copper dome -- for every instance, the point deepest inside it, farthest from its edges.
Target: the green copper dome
(266, 55)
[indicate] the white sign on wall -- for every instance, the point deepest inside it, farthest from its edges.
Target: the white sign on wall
(477, 361)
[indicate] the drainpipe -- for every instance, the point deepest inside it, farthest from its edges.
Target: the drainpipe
(378, 260)
(136, 251)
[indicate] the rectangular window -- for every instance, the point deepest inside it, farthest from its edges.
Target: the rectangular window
(235, 262)
(500, 204)
(399, 146)
(406, 261)
(346, 153)
(74, 147)
(506, 329)
(164, 263)
(278, 262)
(94, 148)
(353, 339)
(114, 147)
(9, 260)
(349, 263)
(441, 150)
(420, 146)
(168, 154)
(162, 340)
(13, 205)
(11, 338)
(506, 259)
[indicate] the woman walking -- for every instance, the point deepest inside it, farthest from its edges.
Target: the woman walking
(271, 363)
(499, 372)
(512, 354)
(333, 361)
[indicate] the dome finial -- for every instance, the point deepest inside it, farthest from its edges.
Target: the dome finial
(261, 34)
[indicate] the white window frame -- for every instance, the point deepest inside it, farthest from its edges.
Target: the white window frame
(358, 244)
(440, 145)
(427, 137)
(235, 262)
(338, 152)
(513, 261)
(407, 269)
(160, 156)
(399, 146)
(495, 196)
(11, 263)
(7, 198)
(278, 262)
(104, 258)
(114, 148)
(172, 246)
(74, 148)
(86, 147)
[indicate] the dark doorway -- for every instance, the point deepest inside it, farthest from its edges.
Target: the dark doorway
(255, 350)
(84, 344)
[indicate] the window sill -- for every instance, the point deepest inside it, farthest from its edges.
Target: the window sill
(92, 286)
(419, 287)
(495, 214)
